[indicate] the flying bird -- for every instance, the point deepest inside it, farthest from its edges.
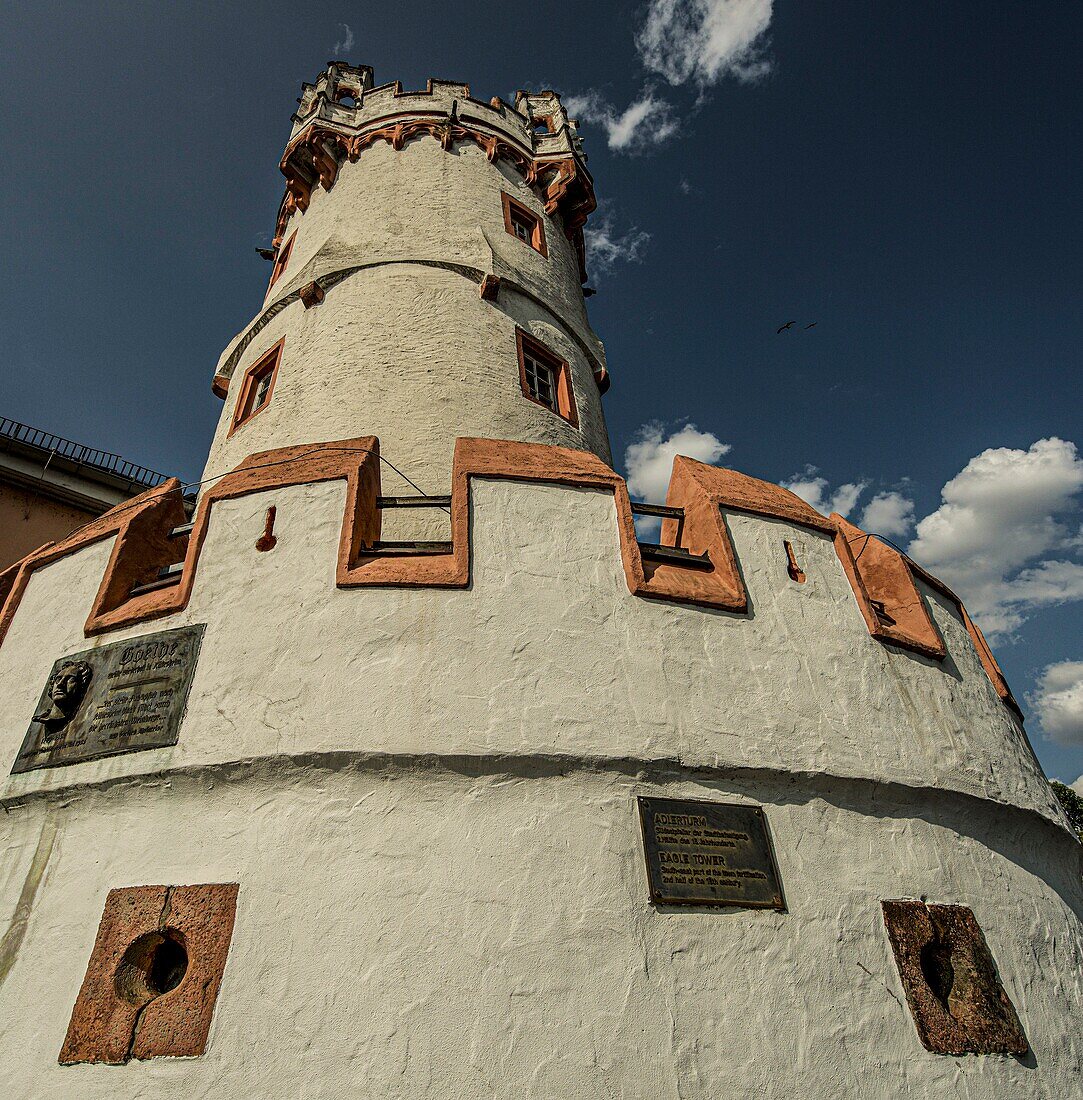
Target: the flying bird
(813, 325)
(782, 328)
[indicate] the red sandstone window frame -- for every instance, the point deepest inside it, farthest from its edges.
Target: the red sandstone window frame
(282, 257)
(564, 396)
(535, 229)
(266, 366)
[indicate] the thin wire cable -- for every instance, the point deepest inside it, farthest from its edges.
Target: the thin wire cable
(882, 538)
(263, 466)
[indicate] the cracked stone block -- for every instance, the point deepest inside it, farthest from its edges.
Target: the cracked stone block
(952, 987)
(154, 974)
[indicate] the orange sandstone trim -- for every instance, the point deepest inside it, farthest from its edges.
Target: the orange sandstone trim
(291, 466)
(268, 362)
(282, 258)
(562, 376)
(742, 493)
(134, 513)
(988, 661)
(730, 489)
(718, 587)
(311, 295)
(513, 209)
(878, 573)
(310, 161)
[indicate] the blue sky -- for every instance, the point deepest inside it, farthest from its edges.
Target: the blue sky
(904, 175)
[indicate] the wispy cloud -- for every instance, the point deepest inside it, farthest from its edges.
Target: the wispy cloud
(647, 122)
(606, 247)
(1003, 536)
(702, 41)
(1058, 703)
(816, 490)
(343, 46)
(697, 42)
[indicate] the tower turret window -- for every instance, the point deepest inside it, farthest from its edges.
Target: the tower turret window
(524, 223)
(545, 378)
(281, 259)
(259, 382)
(540, 382)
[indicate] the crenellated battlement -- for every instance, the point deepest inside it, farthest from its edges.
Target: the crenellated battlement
(342, 114)
(757, 634)
(703, 570)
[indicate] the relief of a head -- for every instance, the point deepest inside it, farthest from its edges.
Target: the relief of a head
(69, 685)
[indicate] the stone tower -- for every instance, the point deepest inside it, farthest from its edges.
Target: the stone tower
(403, 768)
(451, 232)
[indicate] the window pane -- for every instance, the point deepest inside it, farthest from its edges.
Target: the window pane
(539, 381)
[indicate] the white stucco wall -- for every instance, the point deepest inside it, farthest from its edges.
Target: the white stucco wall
(420, 931)
(412, 355)
(428, 798)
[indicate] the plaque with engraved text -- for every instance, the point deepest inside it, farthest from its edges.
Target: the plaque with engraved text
(122, 697)
(708, 853)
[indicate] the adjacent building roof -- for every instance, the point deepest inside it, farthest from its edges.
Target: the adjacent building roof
(73, 473)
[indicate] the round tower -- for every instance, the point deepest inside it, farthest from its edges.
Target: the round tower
(427, 279)
(301, 799)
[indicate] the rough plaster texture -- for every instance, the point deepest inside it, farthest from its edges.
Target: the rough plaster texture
(428, 798)
(419, 930)
(412, 353)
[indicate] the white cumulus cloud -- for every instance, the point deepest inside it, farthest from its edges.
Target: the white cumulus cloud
(1058, 702)
(1002, 536)
(345, 44)
(606, 247)
(705, 40)
(648, 460)
(647, 122)
(1077, 786)
(889, 514)
(816, 490)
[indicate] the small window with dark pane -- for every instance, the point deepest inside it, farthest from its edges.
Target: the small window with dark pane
(282, 257)
(540, 383)
(524, 224)
(258, 385)
(545, 378)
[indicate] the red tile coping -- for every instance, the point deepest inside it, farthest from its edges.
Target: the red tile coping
(877, 574)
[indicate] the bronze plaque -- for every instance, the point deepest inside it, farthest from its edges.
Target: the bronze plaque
(122, 697)
(708, 853)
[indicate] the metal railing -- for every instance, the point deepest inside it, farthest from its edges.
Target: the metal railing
(80, 454)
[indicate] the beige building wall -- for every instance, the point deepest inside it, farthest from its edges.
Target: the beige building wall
(29, 520)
